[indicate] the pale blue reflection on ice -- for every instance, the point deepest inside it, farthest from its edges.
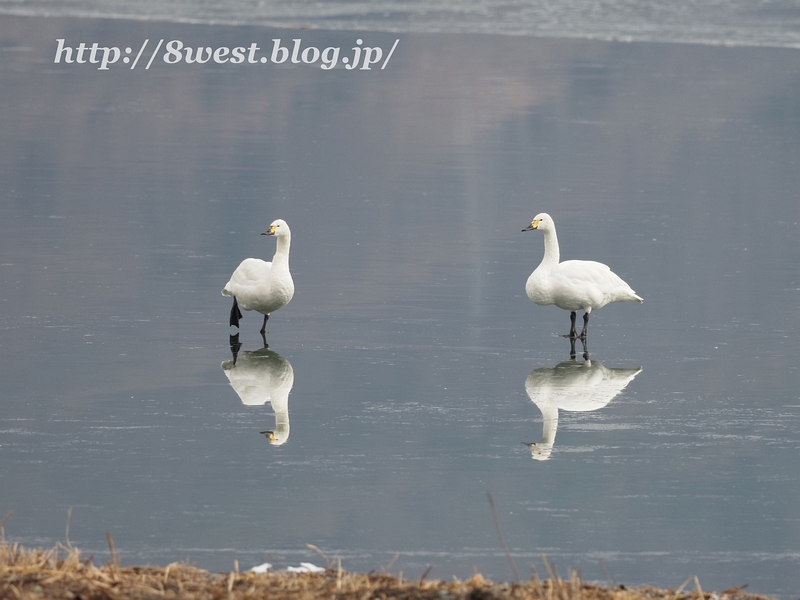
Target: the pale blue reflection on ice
(259, 377)
(573, 386)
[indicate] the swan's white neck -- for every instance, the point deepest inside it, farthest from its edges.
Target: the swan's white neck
(282, 250)
(551, 252)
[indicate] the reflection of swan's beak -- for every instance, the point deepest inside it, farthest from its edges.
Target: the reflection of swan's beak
(270, 435)
(538, 453)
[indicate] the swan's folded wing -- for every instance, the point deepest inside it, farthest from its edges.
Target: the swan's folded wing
(587, 271)
(251, 271)
(254, 269)
(590, 277)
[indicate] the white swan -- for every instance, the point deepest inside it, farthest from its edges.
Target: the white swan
(263, 286)
(260, 377)
(571, 386)
(573, 284)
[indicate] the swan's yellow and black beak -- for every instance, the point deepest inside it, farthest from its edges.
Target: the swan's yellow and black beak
(271, 230)
(533, 225)
(270, 435)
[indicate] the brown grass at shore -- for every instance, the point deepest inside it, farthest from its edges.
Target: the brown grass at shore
(61, 572)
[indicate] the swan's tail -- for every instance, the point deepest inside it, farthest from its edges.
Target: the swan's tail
(627, 294)
(624, 293)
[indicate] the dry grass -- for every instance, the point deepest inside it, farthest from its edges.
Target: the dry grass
(60, 572)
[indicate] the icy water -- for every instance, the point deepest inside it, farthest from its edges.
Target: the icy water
(410, 371)
(719, 22)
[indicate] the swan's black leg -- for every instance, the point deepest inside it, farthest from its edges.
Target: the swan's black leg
(236, 314)
(572, 348)
(572, 333)
(585, 325)
(264, 326)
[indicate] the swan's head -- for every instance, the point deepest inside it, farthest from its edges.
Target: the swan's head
(541, 222)
(278, 228)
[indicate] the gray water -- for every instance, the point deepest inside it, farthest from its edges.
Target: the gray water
(414, 364)
(716, 22)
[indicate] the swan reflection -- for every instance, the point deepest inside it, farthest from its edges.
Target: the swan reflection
(573, 386)
(259, 377)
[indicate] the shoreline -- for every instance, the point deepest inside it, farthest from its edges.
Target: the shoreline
(61, 572)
